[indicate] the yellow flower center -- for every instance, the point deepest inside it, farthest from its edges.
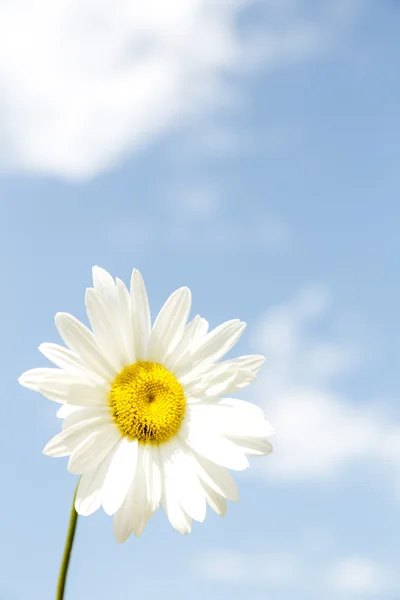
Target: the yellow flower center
(147, 402)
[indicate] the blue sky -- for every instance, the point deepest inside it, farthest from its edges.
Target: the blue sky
(265, 177)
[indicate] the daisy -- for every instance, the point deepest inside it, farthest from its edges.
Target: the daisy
(148, 417)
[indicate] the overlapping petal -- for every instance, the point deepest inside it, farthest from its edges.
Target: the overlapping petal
(141, 319)
(169, 325)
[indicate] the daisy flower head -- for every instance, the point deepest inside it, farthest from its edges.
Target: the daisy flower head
(148, 413)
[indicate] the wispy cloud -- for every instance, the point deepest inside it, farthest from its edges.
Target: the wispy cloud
(235, 567)
(358, 575)
(197, 219)
(319, 431)
(347, 577)
(83, 84)
(195, 202)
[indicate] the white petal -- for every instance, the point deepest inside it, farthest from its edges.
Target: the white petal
(62, 443)
(247, 412)
(242, 405)
(169, 325)
(81, 341)
(104, 319)
(66, 441)
(201, 329)
(68, 360)
(66, 409)
(102, 414)
(217, 503)
(86, 395)
(141, 321)
(245, 368)
(252, 446)
(180, 471)
(54, 383)
(219, 341)
(191, 336)
(213, 382)
(56, 447)
(102, 280)
(214, 447)
(67, 389)
(123, 518)
(54, 392)
(213, 346)
(88, 497)
(135, 511)
(228, 421)
(91, 451)
(179, 520)
(118, 303)
(120, 475)
(152, 472)
(34, 377)
(252, 362)
(125, 308)
(141, 507)
(196, 329)
(242, 378)
(217, 478)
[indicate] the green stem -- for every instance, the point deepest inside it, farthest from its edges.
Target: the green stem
(62, 578)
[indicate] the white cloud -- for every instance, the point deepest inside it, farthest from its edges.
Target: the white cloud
(358, 575)
(195, 202)
(318, 430)
(85, 83)
(348, 577)
(235, 567)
